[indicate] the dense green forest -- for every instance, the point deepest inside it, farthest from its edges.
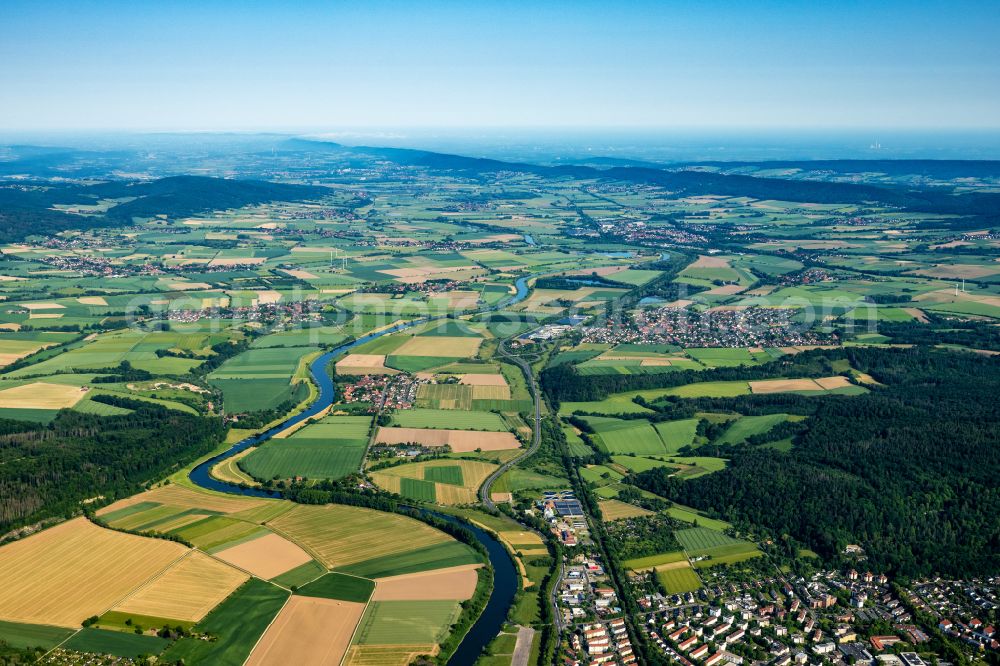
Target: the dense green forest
(46, 470)
(909, 471)
(26, 209)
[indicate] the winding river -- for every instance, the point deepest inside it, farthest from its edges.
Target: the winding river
(505, 577)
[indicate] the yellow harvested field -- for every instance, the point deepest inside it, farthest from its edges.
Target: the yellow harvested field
(69, 572)
(302, 275)
(439, 346)
(865, 378)
(454, 583)
(189, 286)
(338, 535)
(833, 382)
(41, 395)
(49, 315)
(269, 556)
(460, 441)
(364, 364)
(726, 290)
(268, 297)
(474, 379)
(491, 393)
(188, 590)
(92, 300)
(654, 362)
(463, 299)
(706, 261)
(959, 271)
(425, 271)
(474, 472)
(42, 306)
(189, 499)
(782, 385)
(308, 631)
(615, 510)
(387, 655)
(236, 261)
(917, 314)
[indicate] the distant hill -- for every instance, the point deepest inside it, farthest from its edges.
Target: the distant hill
(26, 209)
(684, 181)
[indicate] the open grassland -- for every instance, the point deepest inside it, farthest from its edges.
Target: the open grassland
(406, 622)
(188, 590)
(460, 441)
(455, 583)
(614, 510)
(448, 419)
(237, 624)
(679, 581)
(267, 557)
(74, 570)
(341, 535)
(308, 631)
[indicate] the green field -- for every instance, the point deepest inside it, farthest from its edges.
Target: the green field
(448, 419)
(339, 586)
(406, 622)
(310, 458)
(679, 581)
(417, 489)
(117, 643)
(43, 636)
(676, 434)
(446, 396)
(451, 474)
(301, 574)
(438, 556)
(654, 560)
(636, 437)
(270, 368)
(689, 515)
(237, 623)
(747, 426)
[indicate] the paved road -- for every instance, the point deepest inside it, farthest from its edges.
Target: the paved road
(536, 441)
(522, 649)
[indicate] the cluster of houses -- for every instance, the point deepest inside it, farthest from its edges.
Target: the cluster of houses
(958, 606)
(390, 391)
(750, 327)
(780, 622)
(602, 643)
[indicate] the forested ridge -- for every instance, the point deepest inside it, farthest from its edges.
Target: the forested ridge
(46, 470)
(908, 471)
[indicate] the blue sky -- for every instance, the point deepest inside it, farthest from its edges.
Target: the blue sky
(327, 65)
